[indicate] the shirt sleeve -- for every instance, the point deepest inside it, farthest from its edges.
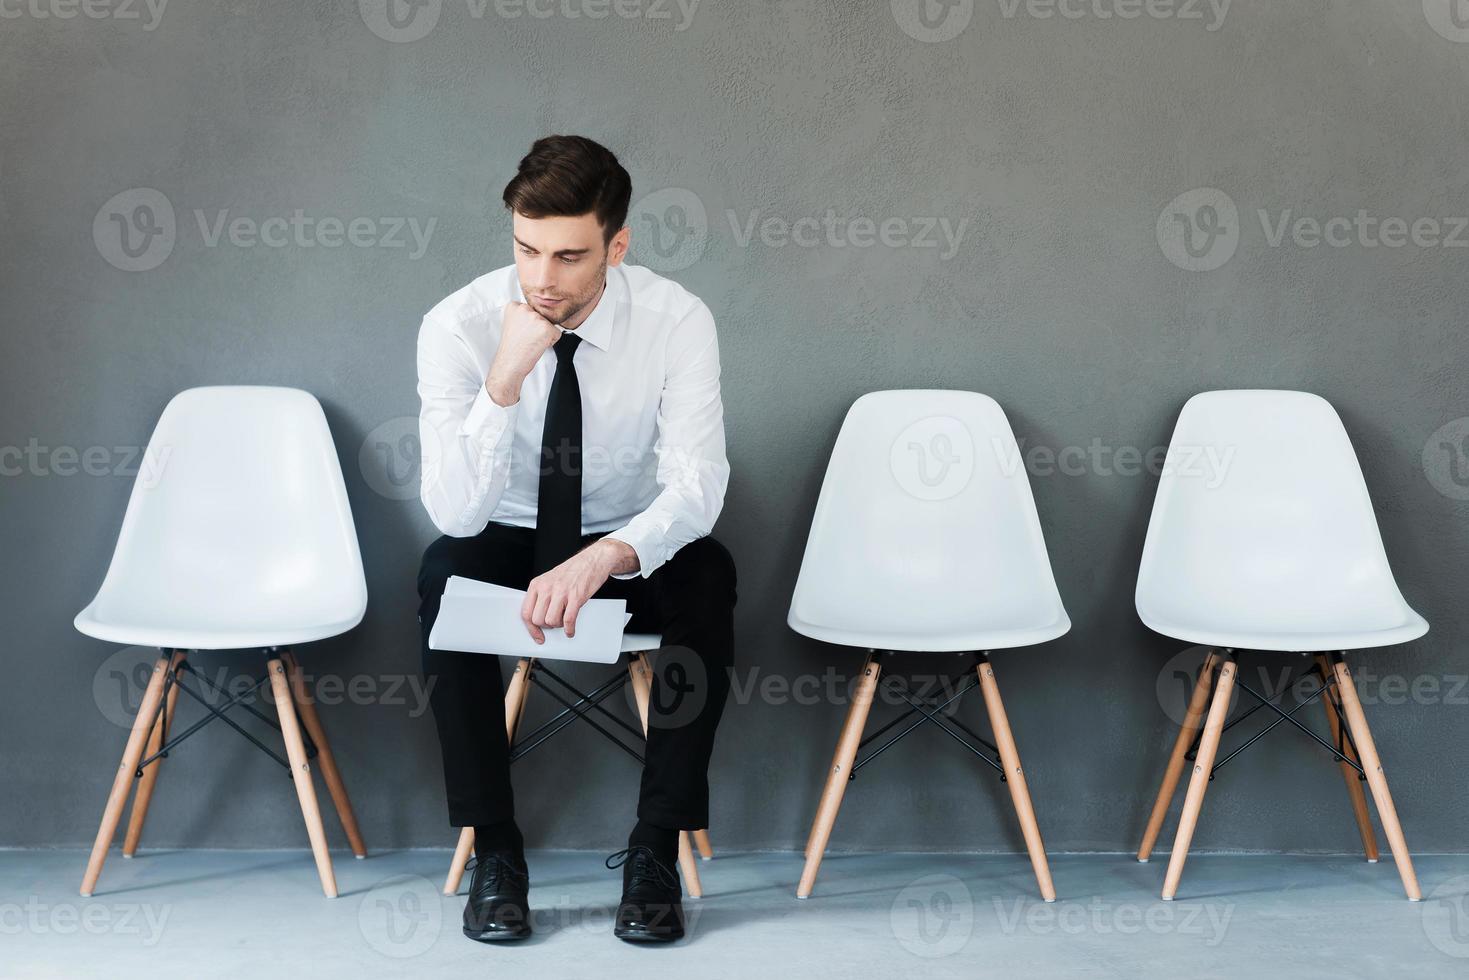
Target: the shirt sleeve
(464, 437)
(693, 470)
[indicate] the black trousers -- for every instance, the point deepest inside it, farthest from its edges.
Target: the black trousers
(690, 599)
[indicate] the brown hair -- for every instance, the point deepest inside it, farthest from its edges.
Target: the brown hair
(570, 176)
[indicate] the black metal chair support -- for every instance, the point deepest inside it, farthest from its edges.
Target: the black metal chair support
(173, 679)
(1327, 689)
(930, 711)
(582, 708)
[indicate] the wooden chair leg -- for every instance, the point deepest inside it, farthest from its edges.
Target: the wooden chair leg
(144, 796)
(1372, 766)
(1192, 718)
(701, 841)
(280, 688)
(1015, 779)
(689, 865)
(123, 780)
(1198, 783)
(641, 675)
(463, 850)
(1354, 783)
(515, 695)
(840, 772)
(837, 760)
(306, 708)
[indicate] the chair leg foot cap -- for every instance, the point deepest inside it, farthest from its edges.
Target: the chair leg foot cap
(1372, 860)
(1142, 860)
(1167, 898)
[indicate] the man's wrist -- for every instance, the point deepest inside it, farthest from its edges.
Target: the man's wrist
(618, 557)
(500, 393)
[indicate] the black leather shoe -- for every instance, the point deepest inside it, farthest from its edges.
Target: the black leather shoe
(497, 910)
(651, 910)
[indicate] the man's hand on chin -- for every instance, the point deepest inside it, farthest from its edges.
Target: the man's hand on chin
(555, 597)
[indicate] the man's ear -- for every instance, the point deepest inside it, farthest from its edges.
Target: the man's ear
(617, 248)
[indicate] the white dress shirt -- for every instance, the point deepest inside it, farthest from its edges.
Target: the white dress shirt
(654, 469)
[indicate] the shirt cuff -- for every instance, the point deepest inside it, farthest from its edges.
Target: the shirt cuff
(646, 544)
(485, 416)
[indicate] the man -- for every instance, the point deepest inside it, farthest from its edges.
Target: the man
(573, 440)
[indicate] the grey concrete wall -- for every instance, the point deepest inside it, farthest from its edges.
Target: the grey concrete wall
(1053, 146)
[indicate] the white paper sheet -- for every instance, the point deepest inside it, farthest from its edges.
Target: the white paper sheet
(482, 617)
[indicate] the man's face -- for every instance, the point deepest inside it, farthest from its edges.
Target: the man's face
(562, 264)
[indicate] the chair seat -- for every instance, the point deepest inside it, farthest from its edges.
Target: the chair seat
(641, 642)
(921, 640)
(1281, 550)
(924, 539)
(631, 643)
(1342, 634)
(245, 540)
(212, 633)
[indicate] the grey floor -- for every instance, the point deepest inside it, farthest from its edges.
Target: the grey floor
(240, 913)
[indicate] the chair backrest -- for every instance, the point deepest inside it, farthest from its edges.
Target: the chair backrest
(926, 517)
(1262, 518)
(242, 516)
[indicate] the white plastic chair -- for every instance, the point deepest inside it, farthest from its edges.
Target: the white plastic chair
(1263, 537)
(926, 538)
(244, 541)
(640, 675)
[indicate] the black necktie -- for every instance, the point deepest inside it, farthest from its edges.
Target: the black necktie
(558, 498)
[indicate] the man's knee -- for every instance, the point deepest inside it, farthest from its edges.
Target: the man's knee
(500, 557)
(442, 559)
(704, 571)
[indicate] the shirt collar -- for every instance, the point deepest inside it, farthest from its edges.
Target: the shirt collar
(597, 329)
